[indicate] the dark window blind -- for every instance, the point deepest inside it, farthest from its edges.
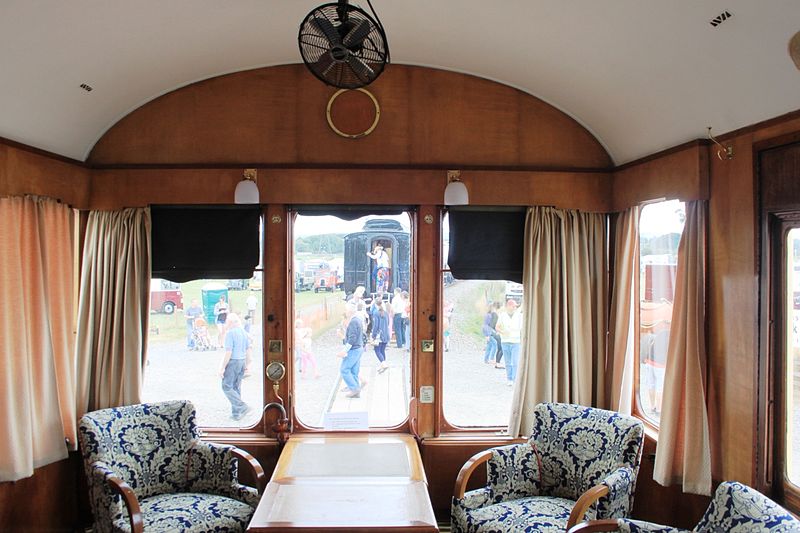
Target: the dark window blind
(191, 242)
(486, 244)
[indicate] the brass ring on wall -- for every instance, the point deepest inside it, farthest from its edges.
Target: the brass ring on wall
(353, 135)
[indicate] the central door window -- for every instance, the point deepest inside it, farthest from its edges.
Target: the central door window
(352, 301)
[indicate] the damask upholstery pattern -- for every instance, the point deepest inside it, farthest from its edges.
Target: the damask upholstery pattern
(735, 508)
(181, 483)
(533, 486)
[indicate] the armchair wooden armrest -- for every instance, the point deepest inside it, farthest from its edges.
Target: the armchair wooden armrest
(594, 526)
(463, 475)
(586, 500)
(131, 502)
(254, 467)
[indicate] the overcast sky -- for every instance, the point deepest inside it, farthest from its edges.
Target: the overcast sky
(319, 225)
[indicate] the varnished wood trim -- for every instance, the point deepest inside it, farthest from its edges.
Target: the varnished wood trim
(586, 500)
(774, 142)
(255, 468)
(752, 128)
(351, 166)
(131, 502)
(466, 471)
(662, 153)
(43, 153)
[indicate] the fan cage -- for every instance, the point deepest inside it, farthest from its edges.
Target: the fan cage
(365, 62)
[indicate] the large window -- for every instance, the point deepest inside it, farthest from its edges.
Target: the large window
(186, 348)
(791, 363)
(206, 335)
(660, 229)
(352, 304)
(477, 382)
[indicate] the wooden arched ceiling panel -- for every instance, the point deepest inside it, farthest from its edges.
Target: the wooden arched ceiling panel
(276, 116)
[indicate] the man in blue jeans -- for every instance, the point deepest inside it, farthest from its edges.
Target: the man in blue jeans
(237, 344)
(509, 326)
(351, 354)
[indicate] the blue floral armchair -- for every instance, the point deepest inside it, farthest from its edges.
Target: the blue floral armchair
(579, 462)
(736, 508)
(148, 470)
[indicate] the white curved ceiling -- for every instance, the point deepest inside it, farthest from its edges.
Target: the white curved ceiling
(641, 75)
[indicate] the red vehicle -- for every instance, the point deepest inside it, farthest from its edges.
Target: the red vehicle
(165, 296)
(325, 279)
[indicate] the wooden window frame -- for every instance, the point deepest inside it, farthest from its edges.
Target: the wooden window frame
(772, 408)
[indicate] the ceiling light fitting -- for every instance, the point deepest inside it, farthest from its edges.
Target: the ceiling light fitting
(724, 152)
(247, 189)
(456, 192)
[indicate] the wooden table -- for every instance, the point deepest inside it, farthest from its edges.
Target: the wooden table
(344, 483)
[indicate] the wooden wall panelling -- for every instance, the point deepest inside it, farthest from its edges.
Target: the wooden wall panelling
(26, 172)
(461, 118)
(389, 143)
(678, 173)
(47, 501)
(276, 115)
(732, 314)
(116, 188)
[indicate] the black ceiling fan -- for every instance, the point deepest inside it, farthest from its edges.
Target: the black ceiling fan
(342, 45)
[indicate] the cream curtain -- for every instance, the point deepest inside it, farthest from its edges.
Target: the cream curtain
(113, 310)
(37, 393)
(563, 353)
(683, 454)
(621, 324)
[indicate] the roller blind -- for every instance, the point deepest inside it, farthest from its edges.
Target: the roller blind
(209, 242)
(486, 244)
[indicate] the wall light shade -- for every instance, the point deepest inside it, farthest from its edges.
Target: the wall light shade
(247, 190)
(456, 194)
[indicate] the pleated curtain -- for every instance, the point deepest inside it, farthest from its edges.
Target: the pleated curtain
(37, 392)
(565, 281)
(623, 303)
(113, 309)
(683, 454)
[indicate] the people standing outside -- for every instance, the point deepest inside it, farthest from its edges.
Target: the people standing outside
(351, 353)
(398, 307)
(237, 346)
(220, 317)
(489, 332)
(193, 312)
(303, 354)
(381, 268)
(252, 304)
(497, 339)
(447, 314)
(407, 321)
(380, 334)
(509, 325)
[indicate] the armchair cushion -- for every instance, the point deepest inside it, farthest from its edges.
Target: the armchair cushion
(212, 470)
(190, 513)
(512, 472)
(545, 514)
